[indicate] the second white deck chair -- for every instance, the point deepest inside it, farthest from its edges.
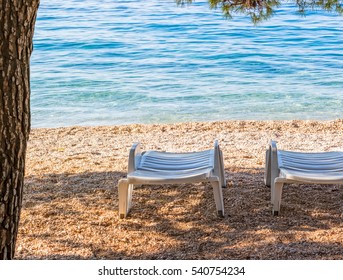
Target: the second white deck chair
(154, 167)
(296, 167)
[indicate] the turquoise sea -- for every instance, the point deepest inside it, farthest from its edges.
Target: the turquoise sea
(105, 62)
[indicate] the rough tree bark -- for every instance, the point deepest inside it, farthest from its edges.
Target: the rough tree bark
(17, 21)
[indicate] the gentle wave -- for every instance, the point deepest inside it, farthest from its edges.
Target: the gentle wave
(119, 62)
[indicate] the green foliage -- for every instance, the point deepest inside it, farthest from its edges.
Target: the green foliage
(327, 5)
(260, 10)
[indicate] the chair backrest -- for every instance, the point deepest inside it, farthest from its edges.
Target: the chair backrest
(274, 160)
(271, 166)
(216, 159)
(134, 157)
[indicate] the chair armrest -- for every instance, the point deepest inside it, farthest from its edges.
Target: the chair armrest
(134, 157)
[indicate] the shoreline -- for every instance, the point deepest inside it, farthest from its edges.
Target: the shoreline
(70, 196)
(303, 122)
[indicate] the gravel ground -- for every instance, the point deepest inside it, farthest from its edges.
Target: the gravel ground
(70, 197)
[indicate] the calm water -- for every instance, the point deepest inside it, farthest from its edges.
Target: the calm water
(100, 62)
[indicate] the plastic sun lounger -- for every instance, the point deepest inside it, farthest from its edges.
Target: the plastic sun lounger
(154, 167)
(296, 167)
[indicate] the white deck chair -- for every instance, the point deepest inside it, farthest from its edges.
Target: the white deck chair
(296, 167)
(154, 167)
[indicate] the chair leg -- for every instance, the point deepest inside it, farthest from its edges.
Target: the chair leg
(125, 197)
(130, 191)
(276, 197)
(218, 197)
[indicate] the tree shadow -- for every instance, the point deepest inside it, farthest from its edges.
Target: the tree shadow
(74, 216)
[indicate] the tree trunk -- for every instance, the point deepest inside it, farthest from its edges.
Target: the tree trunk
(17, 21)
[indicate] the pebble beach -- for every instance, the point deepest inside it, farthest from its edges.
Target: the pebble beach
(70, 204)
